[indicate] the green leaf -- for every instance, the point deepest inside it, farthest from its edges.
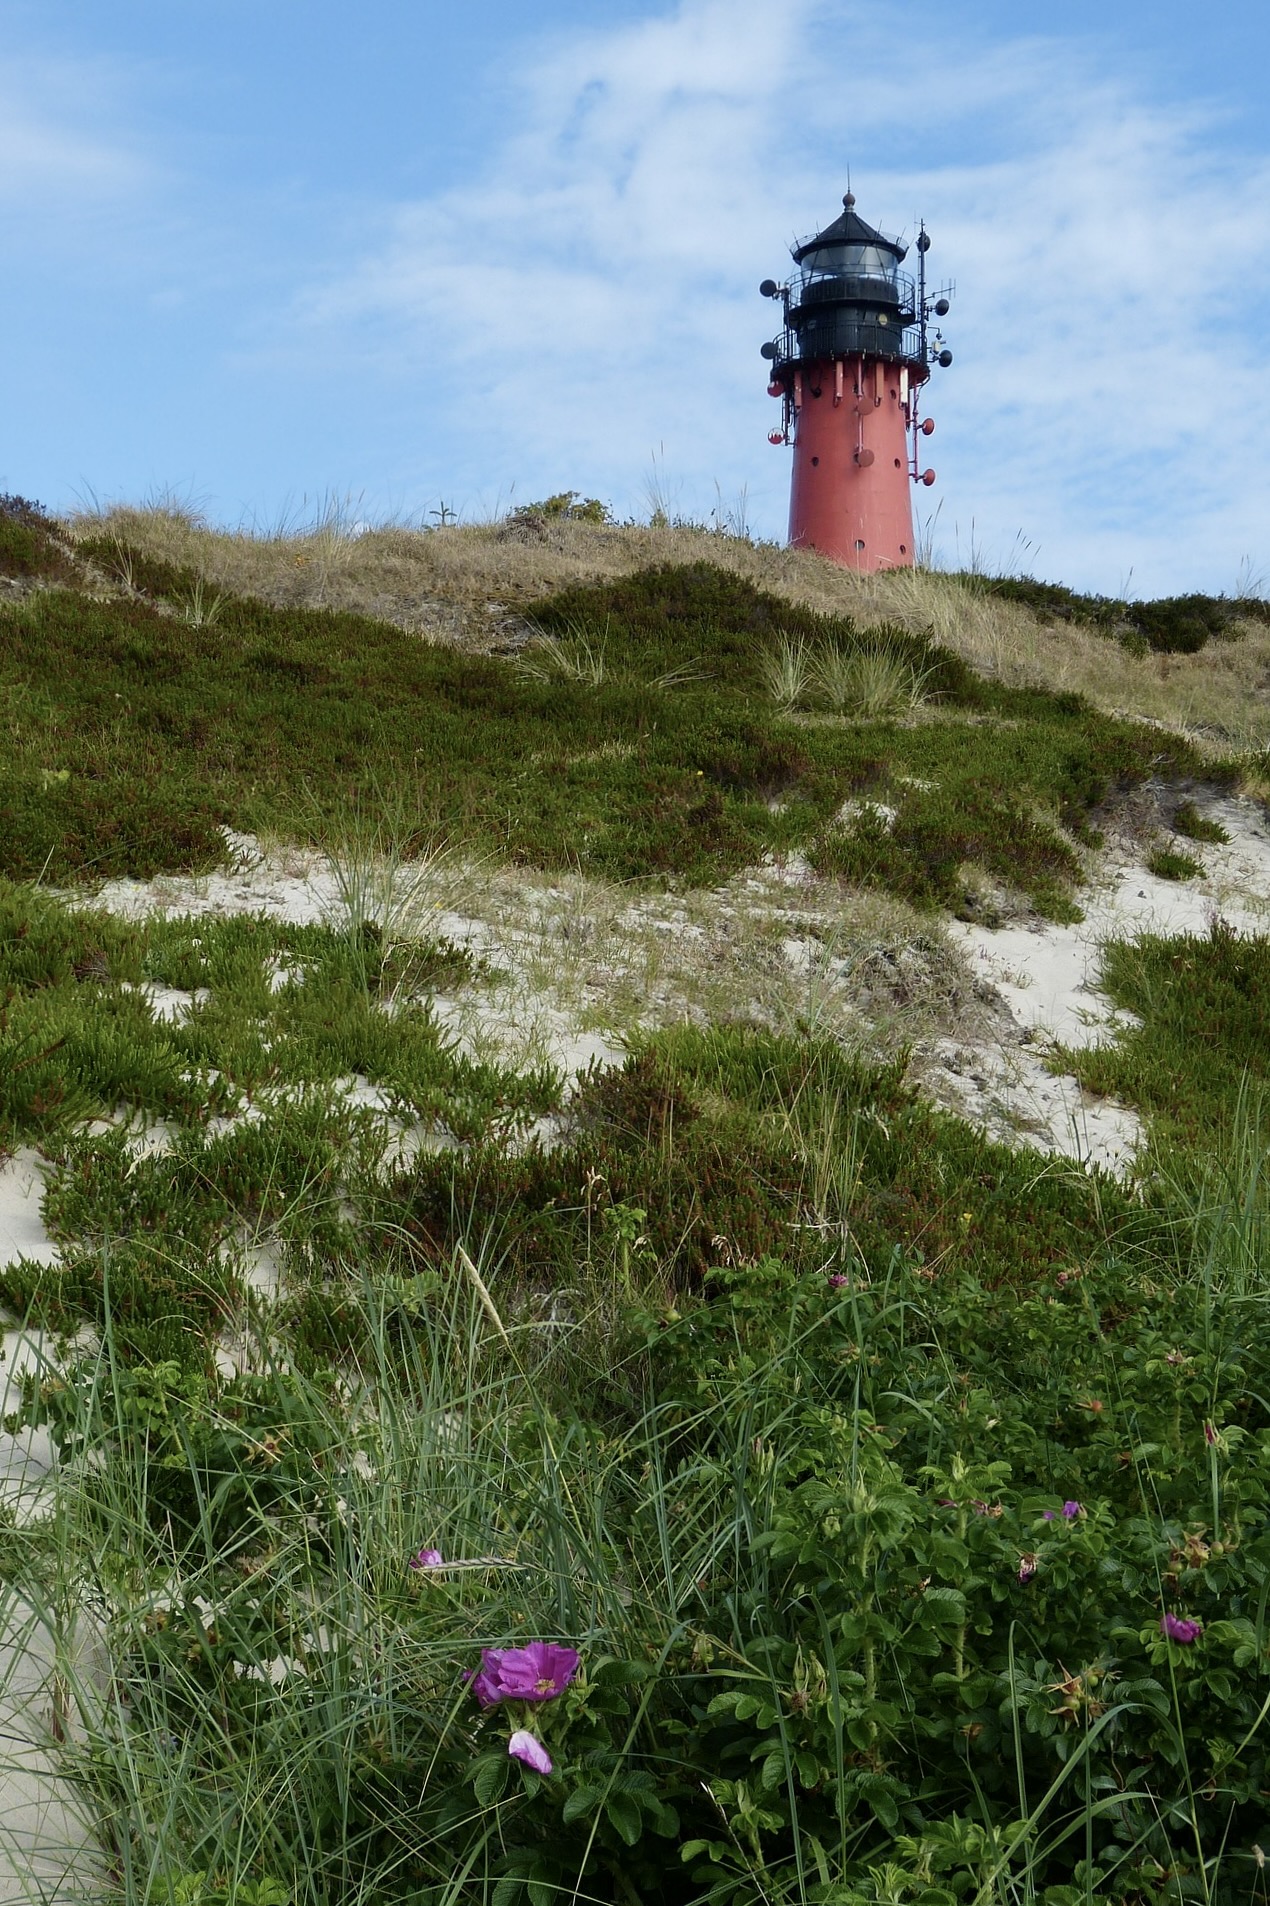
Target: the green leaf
(543, 1890)
(489, 1778)
(663, 1820)
(581, 1801)
(624, 1816)
(614, 1672)
(772, 1772)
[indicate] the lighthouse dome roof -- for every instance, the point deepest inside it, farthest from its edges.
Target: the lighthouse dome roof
(848, 229)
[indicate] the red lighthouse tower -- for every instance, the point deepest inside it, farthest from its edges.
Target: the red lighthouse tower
(849, 365)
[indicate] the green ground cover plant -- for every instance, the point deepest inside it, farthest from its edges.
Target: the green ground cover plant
(1192, 825)
(1203, 1001)
(755, 1145)
(1171, 863)
(31, 546)
(1174, 625)
(262, 1136)
(135, 733)
(884, 1584)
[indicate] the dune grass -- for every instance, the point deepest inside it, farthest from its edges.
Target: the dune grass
(865, 1561)
(459, 584)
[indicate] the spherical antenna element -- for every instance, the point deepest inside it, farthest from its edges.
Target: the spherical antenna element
(923, 241)
(942, 307)
(769, 288)
(768, 350)
(944, 358)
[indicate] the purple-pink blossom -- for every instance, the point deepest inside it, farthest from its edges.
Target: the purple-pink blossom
(1071, 1510)
(538, 1672)
(527, 1747)
(427, 1558)
(1180, 1628)
(837, 1281)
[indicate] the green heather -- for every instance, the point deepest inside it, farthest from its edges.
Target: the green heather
(135, 732)
(905, 1497)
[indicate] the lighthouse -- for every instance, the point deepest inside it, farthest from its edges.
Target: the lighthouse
(855, 349)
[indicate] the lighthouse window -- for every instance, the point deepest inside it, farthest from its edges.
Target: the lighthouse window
(815, 459)
(859, 542)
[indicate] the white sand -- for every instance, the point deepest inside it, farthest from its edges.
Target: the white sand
(1048, 976)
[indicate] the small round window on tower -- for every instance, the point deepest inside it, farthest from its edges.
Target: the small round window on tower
(815, 460)
(859, 542)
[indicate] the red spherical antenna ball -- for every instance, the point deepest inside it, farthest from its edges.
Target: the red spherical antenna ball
(928, 427)
(927, 477)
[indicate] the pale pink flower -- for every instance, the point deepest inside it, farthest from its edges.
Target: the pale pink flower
(527, 1747)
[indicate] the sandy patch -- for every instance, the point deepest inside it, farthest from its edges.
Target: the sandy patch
(22, 1232)
(569, 969)
(1047, 976)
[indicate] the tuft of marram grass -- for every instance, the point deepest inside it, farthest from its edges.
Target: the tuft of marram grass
(870, 679)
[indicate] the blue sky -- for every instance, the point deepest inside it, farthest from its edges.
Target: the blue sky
(265, 252)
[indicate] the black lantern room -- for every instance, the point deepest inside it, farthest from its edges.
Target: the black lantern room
(849, 297)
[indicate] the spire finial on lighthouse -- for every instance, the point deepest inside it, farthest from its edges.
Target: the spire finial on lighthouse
(848, 199)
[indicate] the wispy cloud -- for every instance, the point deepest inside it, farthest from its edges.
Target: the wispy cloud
(592, 295)
(51, 148)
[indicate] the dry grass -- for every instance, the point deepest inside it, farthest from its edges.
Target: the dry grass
(473, 583)
(775, 948)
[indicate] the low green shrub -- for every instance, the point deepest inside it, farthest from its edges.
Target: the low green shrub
(30, 547)
(888, 1586)
(135, 736)
(1175, 625)
(1192, 825)
(1202, 1002)
(1170, 863)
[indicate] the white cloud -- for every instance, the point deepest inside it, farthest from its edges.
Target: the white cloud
(593, 295)
(48, 148)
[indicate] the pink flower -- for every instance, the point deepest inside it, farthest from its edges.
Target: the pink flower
(1181, 1629)
(1210, 1435)
(427, 1558)
(538, 1672)
(837, 1281)
(527, 1747)
(485, 1689)
(1071, 1510)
